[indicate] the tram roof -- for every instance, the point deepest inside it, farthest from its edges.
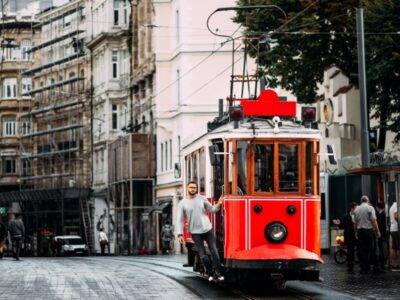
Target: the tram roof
(265, 128)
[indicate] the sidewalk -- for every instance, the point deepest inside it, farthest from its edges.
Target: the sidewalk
(363, 286)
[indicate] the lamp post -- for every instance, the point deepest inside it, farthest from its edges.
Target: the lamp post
(365, 180)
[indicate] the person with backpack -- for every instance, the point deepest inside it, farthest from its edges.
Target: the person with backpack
(167, 233)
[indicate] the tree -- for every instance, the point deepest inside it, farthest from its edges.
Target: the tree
(321, 33)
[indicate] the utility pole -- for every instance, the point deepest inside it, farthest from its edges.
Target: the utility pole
(365, 180)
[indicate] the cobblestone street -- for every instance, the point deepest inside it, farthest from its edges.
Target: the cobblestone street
(132, 277)
(64, 278)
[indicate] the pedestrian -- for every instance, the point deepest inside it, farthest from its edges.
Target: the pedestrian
(3, 235)
(16, 229)
(167, 234)
(394, 235)
(347, 224)
(366, 230)
(194, 208)
(381, 220)
(103, 240)
(55, 246)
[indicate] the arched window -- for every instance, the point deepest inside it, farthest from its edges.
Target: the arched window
(82, 81)
(72, 86)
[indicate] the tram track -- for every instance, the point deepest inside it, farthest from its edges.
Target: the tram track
(166, 268)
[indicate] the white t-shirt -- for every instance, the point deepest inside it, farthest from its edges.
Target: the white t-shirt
(393, 222)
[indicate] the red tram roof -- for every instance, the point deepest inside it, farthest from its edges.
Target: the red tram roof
(268, 104)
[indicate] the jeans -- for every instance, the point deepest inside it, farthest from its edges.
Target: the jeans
(199, 239)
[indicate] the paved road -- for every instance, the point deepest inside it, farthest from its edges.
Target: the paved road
(163, 277)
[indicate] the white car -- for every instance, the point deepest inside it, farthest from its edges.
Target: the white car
(71, 245)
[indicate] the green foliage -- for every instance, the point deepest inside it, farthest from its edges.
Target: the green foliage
(321, 33)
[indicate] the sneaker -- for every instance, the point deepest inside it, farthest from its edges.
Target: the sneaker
(210, 278)
(220, 278)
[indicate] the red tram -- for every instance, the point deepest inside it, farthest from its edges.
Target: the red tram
(267, 169)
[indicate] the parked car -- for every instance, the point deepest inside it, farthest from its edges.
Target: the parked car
(71, 245)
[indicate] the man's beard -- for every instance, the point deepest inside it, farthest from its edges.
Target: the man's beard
(191, 193)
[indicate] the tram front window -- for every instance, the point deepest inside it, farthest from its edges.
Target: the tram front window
(288, 168)
(264, 168)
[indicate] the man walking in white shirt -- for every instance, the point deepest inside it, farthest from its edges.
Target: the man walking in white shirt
(194, 208)
(103, 240)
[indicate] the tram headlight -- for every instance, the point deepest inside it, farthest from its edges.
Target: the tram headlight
(276, 232)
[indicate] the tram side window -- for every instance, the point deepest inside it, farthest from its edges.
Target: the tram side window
(188, 168)
(195, 164)
(242, 170)
(264, 168)
(309, 168)
(202, 161)
(288, 168)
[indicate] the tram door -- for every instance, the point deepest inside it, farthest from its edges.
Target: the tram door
(217, 163)
(324, 219)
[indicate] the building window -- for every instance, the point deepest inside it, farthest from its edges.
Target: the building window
(178, 86)
(9, 125)
(9, 166)
(125, 63)
(72, 133)
(10, 88)
(177, 27)
(26, 46)
(67, 20)
(114, 60)
(116, 12)
(126, 12)
(26, 85)
(82, 13)
(162, 157)
(170, 154)
(72, 84)
(25, 126)
(166, 155)
(26, 167)
(114, 116)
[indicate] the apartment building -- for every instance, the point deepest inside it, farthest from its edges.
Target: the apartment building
(110, 69)
(142, 112)
(57, 181)
(16, 40)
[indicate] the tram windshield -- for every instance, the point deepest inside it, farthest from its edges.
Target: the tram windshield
(271, 167)
(264, 168)
(288, 168)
